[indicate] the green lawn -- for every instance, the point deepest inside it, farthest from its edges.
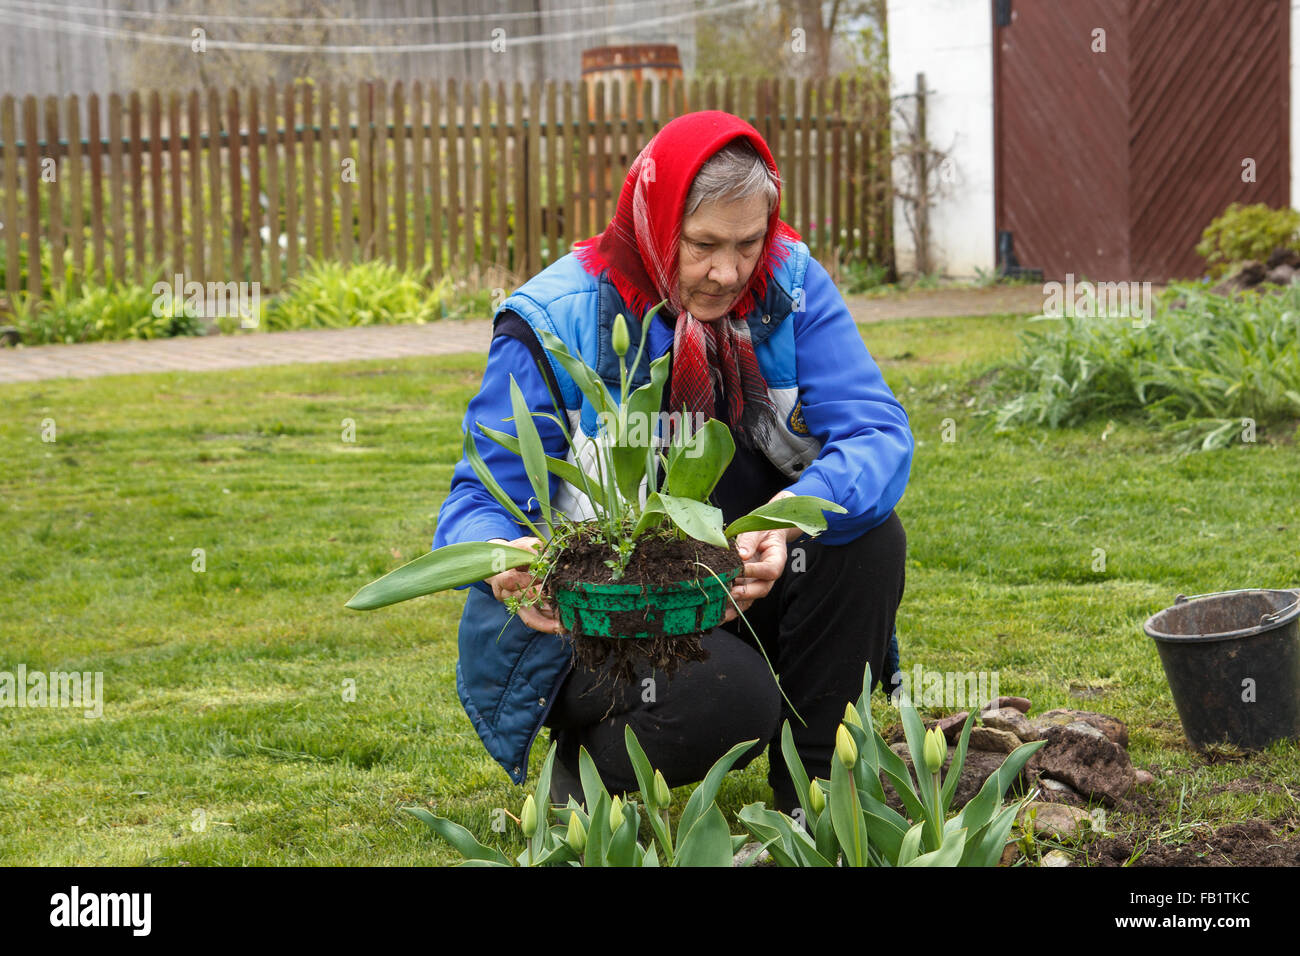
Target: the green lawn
(226, 738)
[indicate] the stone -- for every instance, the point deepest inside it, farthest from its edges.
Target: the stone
(1053, 791)
(1056, 858)
(994, 741)
(1281, 275)
(1083, 757)
(1143, 777)
(1054, 820)
(952, 725)
(1019, 703)
(1011, 720)
(1009, 855)
(1112, 727)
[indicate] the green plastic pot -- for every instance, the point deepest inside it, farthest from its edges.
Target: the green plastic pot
(684, 607)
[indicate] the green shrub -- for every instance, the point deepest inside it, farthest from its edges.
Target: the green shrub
(334, 295)
(1247, 232)
(100, 313)
(1200, 368)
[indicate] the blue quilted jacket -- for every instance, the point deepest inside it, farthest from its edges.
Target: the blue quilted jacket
(846, 438)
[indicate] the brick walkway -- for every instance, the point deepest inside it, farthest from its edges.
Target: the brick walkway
(215, 353)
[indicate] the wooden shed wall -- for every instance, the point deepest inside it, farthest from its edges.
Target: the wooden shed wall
(1208, 92)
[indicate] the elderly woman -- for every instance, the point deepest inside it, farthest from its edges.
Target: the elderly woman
(762, 341)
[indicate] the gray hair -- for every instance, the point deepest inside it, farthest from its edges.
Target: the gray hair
(735, 172)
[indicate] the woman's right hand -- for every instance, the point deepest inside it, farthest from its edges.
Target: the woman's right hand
(517, 582)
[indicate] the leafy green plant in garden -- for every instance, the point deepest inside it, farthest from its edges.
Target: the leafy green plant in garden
(603, 830)
(331, 294)
(846, 819)
(1242, 233)
(627, 458)
(1205, 367)
(101, 313)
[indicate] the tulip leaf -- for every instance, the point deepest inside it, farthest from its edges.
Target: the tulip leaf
(906, 791)
(623, 850)
(645, 780)
(651, 858)
(582, 374)
(801, 511)
(947, 855)
(450, 566)
(652, 515)
(542, 801)
(798, 775)
(707, 842)
(640, 416)
(531, 450)
(707, 791)
(494, 488)
(565, 470)
(699, 463)
(592, 785)
(824, 833)
(846, 815)
(458, 837)
(598, 833)
(985, 803)
(910, 848)
(695, 518)
(958, 759)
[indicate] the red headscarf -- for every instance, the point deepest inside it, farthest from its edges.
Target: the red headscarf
(640, 246)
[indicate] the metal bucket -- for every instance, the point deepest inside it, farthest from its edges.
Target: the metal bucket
(1232, 660)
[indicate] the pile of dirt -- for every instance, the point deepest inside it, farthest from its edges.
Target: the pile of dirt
(659, 559)
(1249, 843)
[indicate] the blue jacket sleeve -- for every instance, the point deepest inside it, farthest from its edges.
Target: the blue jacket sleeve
(470, 512)
(867, 446)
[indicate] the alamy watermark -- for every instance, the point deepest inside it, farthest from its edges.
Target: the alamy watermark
(213, 300)
(643, 428)
(966, 689)
(82, 689)
(1116, 300)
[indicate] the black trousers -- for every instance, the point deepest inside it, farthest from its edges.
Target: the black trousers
(830, 614)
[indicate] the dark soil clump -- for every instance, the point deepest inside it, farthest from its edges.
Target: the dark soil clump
(659, 559)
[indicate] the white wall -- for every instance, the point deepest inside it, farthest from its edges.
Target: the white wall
(951, 42)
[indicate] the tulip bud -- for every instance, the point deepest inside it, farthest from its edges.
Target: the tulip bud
(528, 817)
(615, 815)
(851, 715)
(619, 335)
(845, 749)
(663, 796)
(577, 835)
(936, 749)
(816, 799)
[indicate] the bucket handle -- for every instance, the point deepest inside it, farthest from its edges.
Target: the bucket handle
(1263, 618)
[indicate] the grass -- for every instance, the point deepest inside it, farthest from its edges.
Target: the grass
(226, 737)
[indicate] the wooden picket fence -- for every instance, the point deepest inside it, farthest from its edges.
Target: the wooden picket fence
(250, 184)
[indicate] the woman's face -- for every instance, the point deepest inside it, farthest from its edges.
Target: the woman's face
(719, 249)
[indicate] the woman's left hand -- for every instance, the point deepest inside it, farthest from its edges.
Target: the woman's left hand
(764, 554)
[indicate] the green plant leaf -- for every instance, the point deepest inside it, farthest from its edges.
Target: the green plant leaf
(910, 848)
(645, 780)
(460, 838)
(494, 488)
(623, 849)
(802, 511)
(630, 461)
(531, 450)
(947, 855)
(958, 760)
(592, 786)
(846, 815)
(695, 518)
(557, 466)
(450, 566)
(707, 791)
(798, 775)
(707, 842)
(699, 463)
(583, 375)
